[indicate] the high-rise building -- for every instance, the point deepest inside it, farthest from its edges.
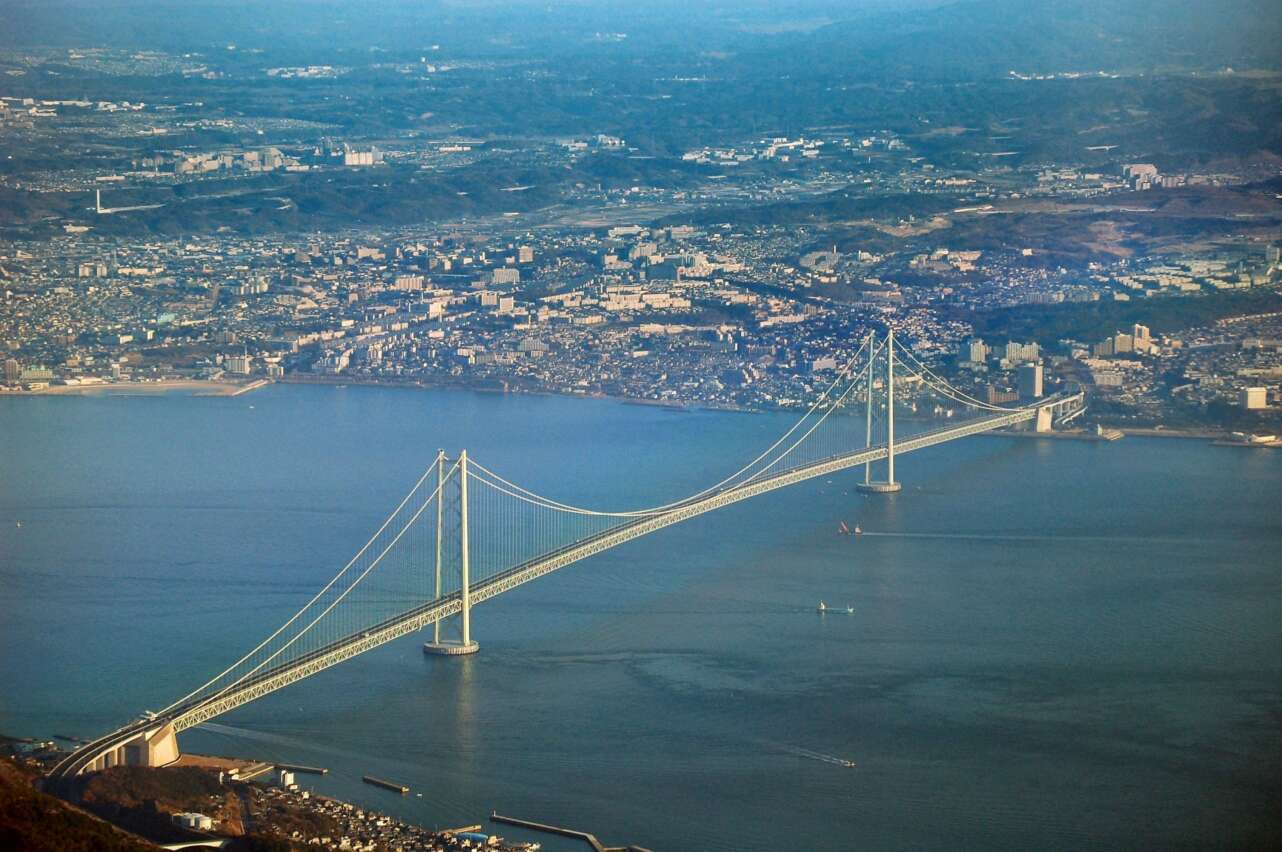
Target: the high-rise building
(1141, 175)
(12, 372)
(525, 254)
(1254, 399)
(239, 364)
(1107, 378)
(1137, 170)
(1017, 353)
(361, 158)
(997, 397)
(1029, 377)
(976, 351)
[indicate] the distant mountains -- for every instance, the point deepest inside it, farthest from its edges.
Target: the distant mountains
(912, 38)
(983, 38)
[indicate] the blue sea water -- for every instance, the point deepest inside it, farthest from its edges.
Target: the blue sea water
(1054, 644)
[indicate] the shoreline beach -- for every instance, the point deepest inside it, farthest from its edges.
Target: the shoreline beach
(196, 387)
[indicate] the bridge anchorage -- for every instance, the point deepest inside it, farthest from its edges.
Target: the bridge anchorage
(465, 534)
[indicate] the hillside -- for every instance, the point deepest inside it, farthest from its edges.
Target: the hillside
(35, 822)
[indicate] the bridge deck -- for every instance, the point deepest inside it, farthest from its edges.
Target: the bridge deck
(204, 709)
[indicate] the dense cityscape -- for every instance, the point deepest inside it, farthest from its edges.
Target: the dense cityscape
(712, 314)
(733, 277)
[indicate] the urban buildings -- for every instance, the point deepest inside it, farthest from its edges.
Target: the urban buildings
(1030, 381)
(1254, 398)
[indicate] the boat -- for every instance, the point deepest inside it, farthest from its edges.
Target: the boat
(858, 531)
(850, 610)
(843, 529)
(822, 607)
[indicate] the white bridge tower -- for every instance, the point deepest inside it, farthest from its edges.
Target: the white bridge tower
(888, 485)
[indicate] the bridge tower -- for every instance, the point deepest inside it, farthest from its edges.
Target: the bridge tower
(889, 485)
(464, 644)
(440, 521)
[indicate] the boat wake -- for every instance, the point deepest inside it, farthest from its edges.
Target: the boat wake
(808, 754)
(248, 734)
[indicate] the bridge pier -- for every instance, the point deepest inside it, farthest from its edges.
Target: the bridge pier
(150, 747)
(879, 487)
(1044, 419)
(447, 648)
(154, 748)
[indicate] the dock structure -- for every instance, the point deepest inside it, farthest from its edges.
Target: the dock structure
(252, 386)
(310, 770)
(587, 838)
(463, 829)
(253, 771)
(386, 785)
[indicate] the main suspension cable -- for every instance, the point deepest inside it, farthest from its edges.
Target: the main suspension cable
(512, 489)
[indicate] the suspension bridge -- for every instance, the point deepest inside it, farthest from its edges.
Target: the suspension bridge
(465, 534)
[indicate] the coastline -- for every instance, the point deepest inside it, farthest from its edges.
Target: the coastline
(1085, 435)
(416, 384)
(1199, 434)
(257, 798)
(224, 388)
(196, 387)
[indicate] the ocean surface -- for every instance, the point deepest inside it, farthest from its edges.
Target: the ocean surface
(1055, 644)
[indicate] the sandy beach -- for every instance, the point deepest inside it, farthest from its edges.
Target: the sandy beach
(195, 387)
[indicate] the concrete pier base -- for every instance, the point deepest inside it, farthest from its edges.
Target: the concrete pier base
(153, 747)
(879, 487)
(450, 649)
